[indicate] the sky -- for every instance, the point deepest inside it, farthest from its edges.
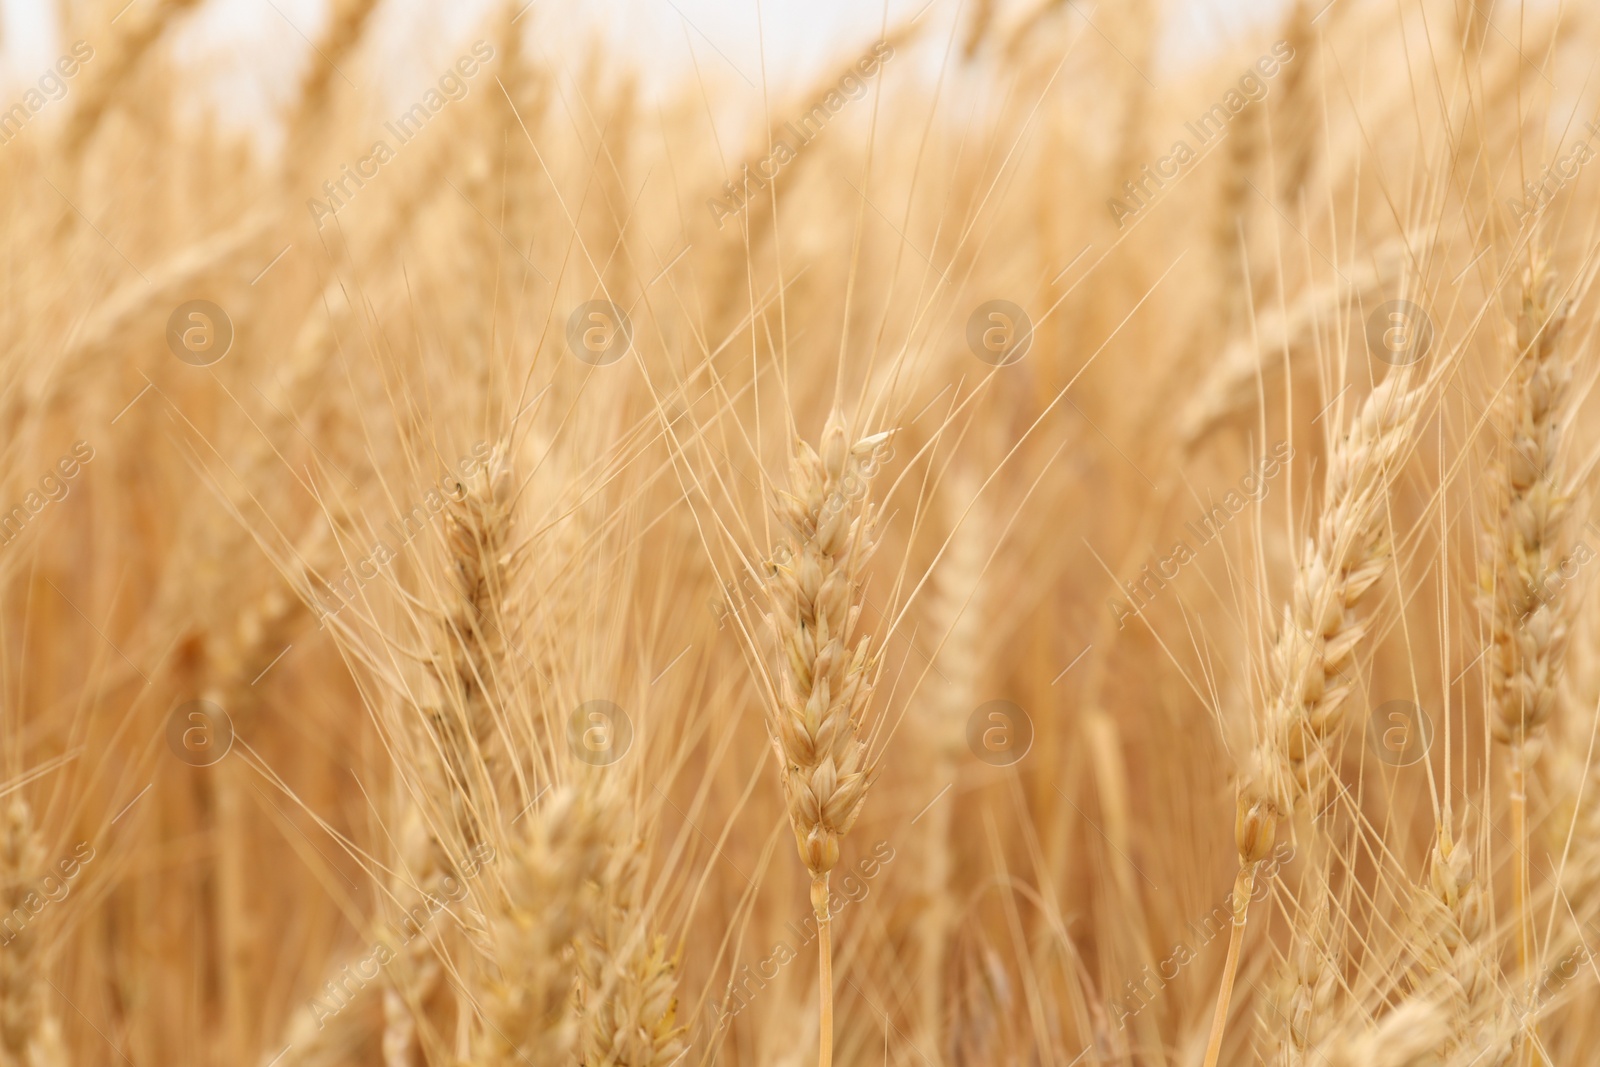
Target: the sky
(250, 52)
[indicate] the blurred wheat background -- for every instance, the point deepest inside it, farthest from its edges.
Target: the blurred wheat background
(978, 532)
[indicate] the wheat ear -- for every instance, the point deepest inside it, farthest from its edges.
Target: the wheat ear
(1316, 641)
(467, 664)
(550, 872)
(824, 685)
(1527, 623)
(627, 982)
(30, 1036)
(484, 564)
(347, 21)
(1458, 934)
(1405, 1037)
(1309, 981)
(110, 79)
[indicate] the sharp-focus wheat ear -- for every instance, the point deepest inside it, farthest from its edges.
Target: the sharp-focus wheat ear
(627, 982)
(1527, 620)
(1320, 629)
(823, 674)
(30, 1035)
(1316, 642)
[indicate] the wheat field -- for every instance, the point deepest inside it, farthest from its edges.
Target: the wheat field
(1036, 544)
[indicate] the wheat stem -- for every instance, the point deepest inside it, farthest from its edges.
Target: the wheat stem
(1519, 833)
(1243, 885)
(1319, 634)
(819, 905)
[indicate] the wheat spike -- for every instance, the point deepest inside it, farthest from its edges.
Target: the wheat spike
(1317, 639)
(347, 20)
(466, 665)
(1405, 1037)
(1457, 937)
(30, 1036)
(824, 684)
(1310, 984)
(1527, 623)
(131, 41)
(479, 531)
(627, 982)
(1319, 632)
(550, 871)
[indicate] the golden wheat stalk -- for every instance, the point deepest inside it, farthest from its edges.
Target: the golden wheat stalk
(467, 667)
(1527, 621)
(1316, 642)
(814, 589)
